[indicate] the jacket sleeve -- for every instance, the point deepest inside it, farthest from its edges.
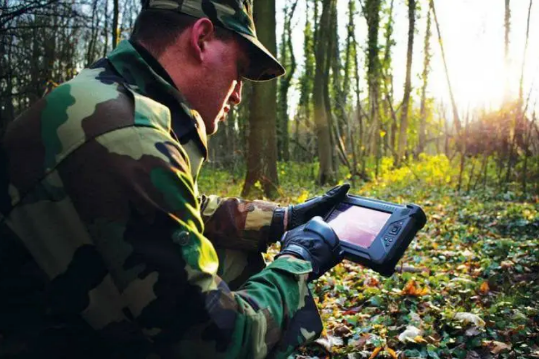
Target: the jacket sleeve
(234, 223)
(133, 189)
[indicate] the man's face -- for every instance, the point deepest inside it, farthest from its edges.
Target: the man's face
(225, 61)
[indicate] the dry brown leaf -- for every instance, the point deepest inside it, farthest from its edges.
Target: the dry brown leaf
(412, 289)
(484, 288)
(375, 352)
(361, 341)
(342, 330)
(507, 264)
(470, 318)
(495, 347)
(391, 352)
(371, 282)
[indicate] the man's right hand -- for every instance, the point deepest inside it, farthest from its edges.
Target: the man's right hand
(315, 242)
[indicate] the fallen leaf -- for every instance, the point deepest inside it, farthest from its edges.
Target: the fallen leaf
(342, 330)
(462, 267)
(371, 282)
(507, 264)
(354, 310)
(329, 342)
(484, 288)
(361, 341)
(411, 288)
(375, 352)
(495, 347)
(391, 352)
(410, 334)
(470, 318)
(415, 317)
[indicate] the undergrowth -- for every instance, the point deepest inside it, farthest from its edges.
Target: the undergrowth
(467, 286)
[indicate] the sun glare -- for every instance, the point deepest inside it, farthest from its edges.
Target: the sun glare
(473, 37)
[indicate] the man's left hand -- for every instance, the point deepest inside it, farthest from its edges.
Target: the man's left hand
(285, 219)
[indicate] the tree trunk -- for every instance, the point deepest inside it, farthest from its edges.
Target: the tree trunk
(289, 62)
(527, 153)
(326, 174)
(106, 29)
(333, 66)
(372, 15)
(521, 84)
(454, 108)
(407, 84)
(262, 153)
(304, 110)
(115, 29)
(463, 155)
(348, 72)
(507, 29)
(360, 117)
(90, 55)
(387, 81)
(425, 76)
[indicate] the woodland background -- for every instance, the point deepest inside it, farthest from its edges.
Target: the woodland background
(467, 286)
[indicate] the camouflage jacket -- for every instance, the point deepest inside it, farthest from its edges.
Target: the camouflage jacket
(102, 245)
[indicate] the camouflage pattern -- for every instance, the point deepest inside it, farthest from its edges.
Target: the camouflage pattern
(102, 245)
(236, 16)
(234, 223)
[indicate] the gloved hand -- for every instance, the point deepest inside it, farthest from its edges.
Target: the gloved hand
(285, 219)
(315, 242)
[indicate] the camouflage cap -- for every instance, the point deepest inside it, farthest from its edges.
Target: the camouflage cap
(234, 15)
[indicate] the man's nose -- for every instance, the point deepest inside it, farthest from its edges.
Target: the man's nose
(235, 97)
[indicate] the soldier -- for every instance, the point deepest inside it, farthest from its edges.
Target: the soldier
(106, 249)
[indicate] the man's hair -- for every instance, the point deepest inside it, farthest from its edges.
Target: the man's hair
(158, 29)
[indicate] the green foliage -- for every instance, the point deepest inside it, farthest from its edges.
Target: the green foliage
(468, 283)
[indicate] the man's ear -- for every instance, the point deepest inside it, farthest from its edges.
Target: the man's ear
(202, 32)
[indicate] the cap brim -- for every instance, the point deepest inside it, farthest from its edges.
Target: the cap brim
(264, 66)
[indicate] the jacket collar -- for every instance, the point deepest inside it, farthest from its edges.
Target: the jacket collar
(149, 78)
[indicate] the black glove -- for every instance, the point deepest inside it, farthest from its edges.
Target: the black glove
(301, 213)
(315, 242)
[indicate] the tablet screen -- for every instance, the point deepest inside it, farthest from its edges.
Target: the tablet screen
(357, 225)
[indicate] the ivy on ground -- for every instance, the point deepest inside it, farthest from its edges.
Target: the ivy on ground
(467, 287)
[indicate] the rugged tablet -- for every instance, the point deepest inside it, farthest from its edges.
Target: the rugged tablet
(375, 233)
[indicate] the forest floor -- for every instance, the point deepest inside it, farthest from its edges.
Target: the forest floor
(467, 287)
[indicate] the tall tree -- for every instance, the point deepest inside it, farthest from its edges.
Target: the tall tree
(305, 106)
(425, 77)
(289, 62)
(337, 106)
(371, 12)
(323, 37)
(454, 108)
(262, 152)
(106, 29)
(388, 78)
(521, 83)
(349, 73)
(115, 23)
(333, 68)
(407, 83)
(507, 31)
(360, 115)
